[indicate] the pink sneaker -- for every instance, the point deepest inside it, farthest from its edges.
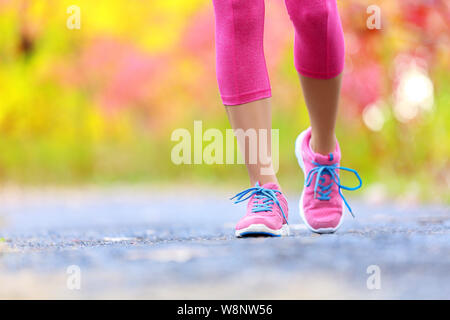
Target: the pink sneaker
(322, 202)
(267, 211)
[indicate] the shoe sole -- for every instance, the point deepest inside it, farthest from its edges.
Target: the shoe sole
(298, 154)
(254, 230)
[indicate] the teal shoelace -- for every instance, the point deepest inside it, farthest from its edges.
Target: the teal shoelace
(267, 197)
(324, 190)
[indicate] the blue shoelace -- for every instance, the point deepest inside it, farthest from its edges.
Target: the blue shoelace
(267, 197)
(325, 190)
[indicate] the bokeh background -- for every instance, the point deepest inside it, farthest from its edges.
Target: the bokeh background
(98, 105)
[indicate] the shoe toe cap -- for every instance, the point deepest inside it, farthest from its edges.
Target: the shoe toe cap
(271, 222)
(330, 220)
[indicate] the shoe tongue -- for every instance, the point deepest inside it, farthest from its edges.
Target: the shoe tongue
(329, 159)
(271, 185)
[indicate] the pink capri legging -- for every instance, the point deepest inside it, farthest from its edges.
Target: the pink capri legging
(241, 66)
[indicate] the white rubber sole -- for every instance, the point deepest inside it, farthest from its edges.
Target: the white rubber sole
(298, 154)
(263, 230)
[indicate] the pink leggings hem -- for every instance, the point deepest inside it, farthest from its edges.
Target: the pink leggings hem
(246, 97)
(324, 76)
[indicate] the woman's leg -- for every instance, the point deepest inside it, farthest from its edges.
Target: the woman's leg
(242, 75)
(322, 97)
(319, 59)
(255, 116)
(245, 90)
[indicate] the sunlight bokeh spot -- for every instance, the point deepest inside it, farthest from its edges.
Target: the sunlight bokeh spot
(413, 95)
(373, 117)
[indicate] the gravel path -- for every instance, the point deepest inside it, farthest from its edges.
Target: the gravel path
(146, 243)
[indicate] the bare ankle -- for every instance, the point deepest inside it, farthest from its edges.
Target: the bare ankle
(323, 146)
(263, 179)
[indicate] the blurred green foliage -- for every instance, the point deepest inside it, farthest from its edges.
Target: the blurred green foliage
(99, 104)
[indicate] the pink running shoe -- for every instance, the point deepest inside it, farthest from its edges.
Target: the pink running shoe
(267, 212)
(322, 202)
